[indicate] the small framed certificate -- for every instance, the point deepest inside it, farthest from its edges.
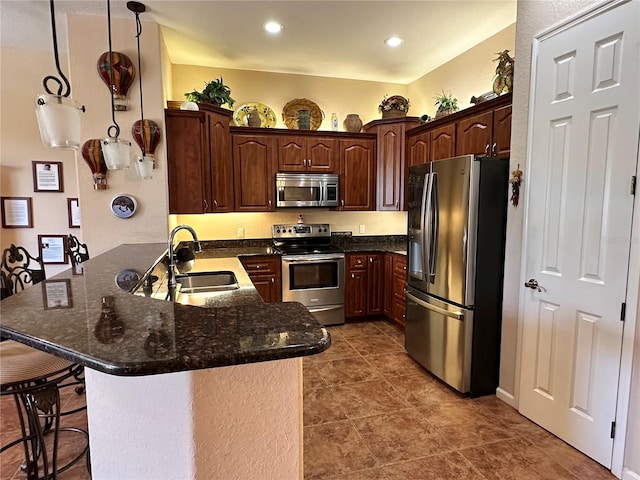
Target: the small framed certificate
(17, 212)
(73, 212)
(47, 176)
(57, 294)
(53, 249)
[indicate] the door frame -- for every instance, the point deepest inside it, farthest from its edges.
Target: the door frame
(632, 319)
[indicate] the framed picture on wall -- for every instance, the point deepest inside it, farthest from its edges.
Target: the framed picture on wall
(57, 294)
(17, 212)
(47, 176)
(53, 249)
(73, 212)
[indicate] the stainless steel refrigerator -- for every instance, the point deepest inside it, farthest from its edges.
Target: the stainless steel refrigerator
(456, 236)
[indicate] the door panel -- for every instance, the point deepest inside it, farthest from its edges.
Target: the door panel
(443, 142)
(583, 154)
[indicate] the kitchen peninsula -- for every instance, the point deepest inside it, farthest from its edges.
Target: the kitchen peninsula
(156, 406)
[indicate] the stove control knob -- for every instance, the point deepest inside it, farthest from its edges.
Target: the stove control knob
(278, 230)
(289, 230)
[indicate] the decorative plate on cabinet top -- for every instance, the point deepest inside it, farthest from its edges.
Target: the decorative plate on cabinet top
(265, 114)
(291, 109)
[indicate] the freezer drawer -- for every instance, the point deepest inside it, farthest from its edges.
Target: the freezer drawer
(438, 336)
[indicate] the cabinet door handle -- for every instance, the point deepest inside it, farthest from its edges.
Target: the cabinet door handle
(494, 149)
(397, 205)
(342, 203)
(353, 275)
(206, 205)
(273, 280)
(486, 150)
(309, 162)
(304, 162)
(269, 203)
(370, 259)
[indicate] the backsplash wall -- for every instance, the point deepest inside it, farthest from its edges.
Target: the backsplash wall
(226, 226)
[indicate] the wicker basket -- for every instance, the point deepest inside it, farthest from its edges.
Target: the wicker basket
(174, 104)
(393, 113)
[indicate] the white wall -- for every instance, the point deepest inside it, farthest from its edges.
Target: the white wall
(87, 41)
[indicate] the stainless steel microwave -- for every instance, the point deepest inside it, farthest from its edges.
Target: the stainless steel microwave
(306, 190)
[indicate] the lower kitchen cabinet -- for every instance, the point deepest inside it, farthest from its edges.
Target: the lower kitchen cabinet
(399, 287)
(265, 273)
(364, 284)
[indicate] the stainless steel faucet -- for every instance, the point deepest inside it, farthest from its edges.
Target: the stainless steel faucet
(171, 275)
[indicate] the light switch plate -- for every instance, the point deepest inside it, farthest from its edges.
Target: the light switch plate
(361, 229)
(240, 232)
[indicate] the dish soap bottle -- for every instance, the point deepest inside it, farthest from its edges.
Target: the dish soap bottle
(334, 122)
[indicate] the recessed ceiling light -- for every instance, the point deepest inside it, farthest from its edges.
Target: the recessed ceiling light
(273, 27)
(393, 42)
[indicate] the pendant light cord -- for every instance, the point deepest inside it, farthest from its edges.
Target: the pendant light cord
(57, 60)
(115, 125)
(138, 33)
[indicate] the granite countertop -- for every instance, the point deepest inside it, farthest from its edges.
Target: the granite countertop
(136, 335)
(388, 244)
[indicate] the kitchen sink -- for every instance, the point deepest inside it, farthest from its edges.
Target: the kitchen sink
(207, 282)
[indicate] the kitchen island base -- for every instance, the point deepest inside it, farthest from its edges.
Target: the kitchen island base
(235, 422)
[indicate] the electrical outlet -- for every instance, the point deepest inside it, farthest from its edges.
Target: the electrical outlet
(361, 229)
(240, 232)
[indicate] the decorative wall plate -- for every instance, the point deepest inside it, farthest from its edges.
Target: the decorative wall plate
(127, 279)
(124, 206)
(267, 116)
(291, 109)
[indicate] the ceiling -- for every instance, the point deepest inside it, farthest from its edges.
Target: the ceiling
(342, 39)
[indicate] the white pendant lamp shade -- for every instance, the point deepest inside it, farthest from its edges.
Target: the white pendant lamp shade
(143, 166)
(116, 152)
(58, 121)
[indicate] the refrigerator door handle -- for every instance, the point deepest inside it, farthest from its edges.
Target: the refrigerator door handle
(427, 225)
(435, 226)
(422, 303)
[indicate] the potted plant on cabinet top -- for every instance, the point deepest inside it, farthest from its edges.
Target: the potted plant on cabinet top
(215, 93)
(446, 104)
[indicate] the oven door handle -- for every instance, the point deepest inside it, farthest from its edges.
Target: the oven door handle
(312, 259)
(324, 309)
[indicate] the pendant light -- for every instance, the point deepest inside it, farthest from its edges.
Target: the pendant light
(116, 151)
(58, 115)
(146, 133)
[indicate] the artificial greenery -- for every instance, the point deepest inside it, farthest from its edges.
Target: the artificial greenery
(215, 92)
(446, 102)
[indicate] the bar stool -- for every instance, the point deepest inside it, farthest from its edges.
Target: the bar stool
(34, 379)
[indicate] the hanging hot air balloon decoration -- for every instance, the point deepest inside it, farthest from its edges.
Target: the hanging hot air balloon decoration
(123, 75)
(92, 154)
(147, 135)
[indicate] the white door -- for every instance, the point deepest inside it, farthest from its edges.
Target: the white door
(583, 155)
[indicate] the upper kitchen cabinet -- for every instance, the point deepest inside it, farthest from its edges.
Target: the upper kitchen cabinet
(443, 142)
(418, 148)
(390, 161)
(253, 162)
(306, 154)
(357, 173)
(485, 133)
(199, 162)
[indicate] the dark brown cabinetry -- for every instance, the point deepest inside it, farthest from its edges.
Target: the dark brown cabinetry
(357, 173)
(390, 160)
(487, 133)
(399, 286)
(419, 148)
(253, 161)
(199, 165)
(443, 142)
(364, 284)
(484, 129)
(265, 273)
(306, 154)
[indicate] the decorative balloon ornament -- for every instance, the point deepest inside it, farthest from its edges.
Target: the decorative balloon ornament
(58, 116)
(92, 154)
(117, 79)
(116, 152)
(146, 133)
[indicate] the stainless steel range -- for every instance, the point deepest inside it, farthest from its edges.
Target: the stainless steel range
(312, 270)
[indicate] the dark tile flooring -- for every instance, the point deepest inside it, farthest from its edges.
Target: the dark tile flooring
(371, 413)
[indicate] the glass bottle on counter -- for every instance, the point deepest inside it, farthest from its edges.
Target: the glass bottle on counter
(334, 122)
